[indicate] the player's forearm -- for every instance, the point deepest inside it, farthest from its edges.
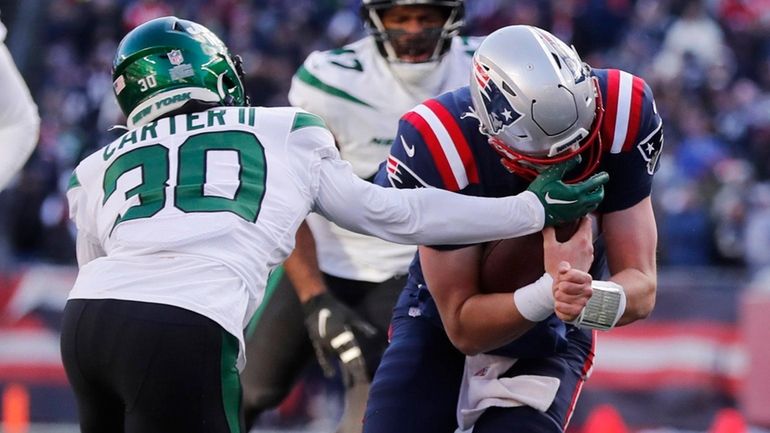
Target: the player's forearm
(640, 289)
(485, 322)
(423, 216)
(631, 257)
(301, 266)
(441, 217)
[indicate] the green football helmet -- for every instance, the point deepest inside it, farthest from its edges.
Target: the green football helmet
(167, 62)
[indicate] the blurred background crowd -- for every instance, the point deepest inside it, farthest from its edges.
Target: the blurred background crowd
(708, 62)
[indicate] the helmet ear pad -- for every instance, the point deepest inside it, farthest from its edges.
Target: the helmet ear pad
(164, 63)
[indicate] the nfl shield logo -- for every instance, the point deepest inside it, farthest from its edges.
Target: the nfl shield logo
(175, 57)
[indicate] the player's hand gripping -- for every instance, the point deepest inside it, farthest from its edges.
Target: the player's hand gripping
(568, 263)
(567, 202)
(335, 331)
(571, 292)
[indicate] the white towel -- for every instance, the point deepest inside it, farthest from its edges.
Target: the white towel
(482, 387)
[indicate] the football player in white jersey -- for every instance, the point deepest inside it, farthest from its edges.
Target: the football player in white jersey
(181, 219)
(19, 121)
(360, 90)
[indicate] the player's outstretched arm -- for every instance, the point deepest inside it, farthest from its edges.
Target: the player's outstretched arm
(19, 120)
(431, 216)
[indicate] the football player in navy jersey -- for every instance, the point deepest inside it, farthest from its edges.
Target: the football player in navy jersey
(463, 357)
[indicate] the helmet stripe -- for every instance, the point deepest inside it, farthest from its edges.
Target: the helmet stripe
(447, 144)
(457, 137)
(439, 157)
(481, 75)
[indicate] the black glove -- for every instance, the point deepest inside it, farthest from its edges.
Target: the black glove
(567, 202)
(335, 331)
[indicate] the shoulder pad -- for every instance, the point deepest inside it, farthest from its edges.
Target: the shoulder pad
(330, 64)
(303, 119)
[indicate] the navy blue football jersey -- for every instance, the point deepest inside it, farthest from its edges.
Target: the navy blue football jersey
(439, 145)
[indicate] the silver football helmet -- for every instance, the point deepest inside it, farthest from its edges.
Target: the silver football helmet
(536, 100)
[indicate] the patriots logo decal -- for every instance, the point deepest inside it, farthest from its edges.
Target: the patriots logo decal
(401, 176)
(651, 148)
(501, 113)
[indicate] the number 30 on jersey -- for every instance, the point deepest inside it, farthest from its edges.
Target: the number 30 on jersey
(189, 194)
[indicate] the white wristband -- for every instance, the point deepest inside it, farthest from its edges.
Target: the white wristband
(535, 301)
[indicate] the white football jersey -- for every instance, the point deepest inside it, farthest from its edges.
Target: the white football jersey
(361, 99)
(174, 204)
(195, 210)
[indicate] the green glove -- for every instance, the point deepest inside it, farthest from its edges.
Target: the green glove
(567, 202)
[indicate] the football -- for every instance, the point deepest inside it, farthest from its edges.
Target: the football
(509, 264)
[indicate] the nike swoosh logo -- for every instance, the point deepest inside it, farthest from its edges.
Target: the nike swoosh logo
(409, 149)
(323, 316)
(551, 200)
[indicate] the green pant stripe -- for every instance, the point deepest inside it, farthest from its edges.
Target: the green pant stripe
(231, 381)
(272, 284)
